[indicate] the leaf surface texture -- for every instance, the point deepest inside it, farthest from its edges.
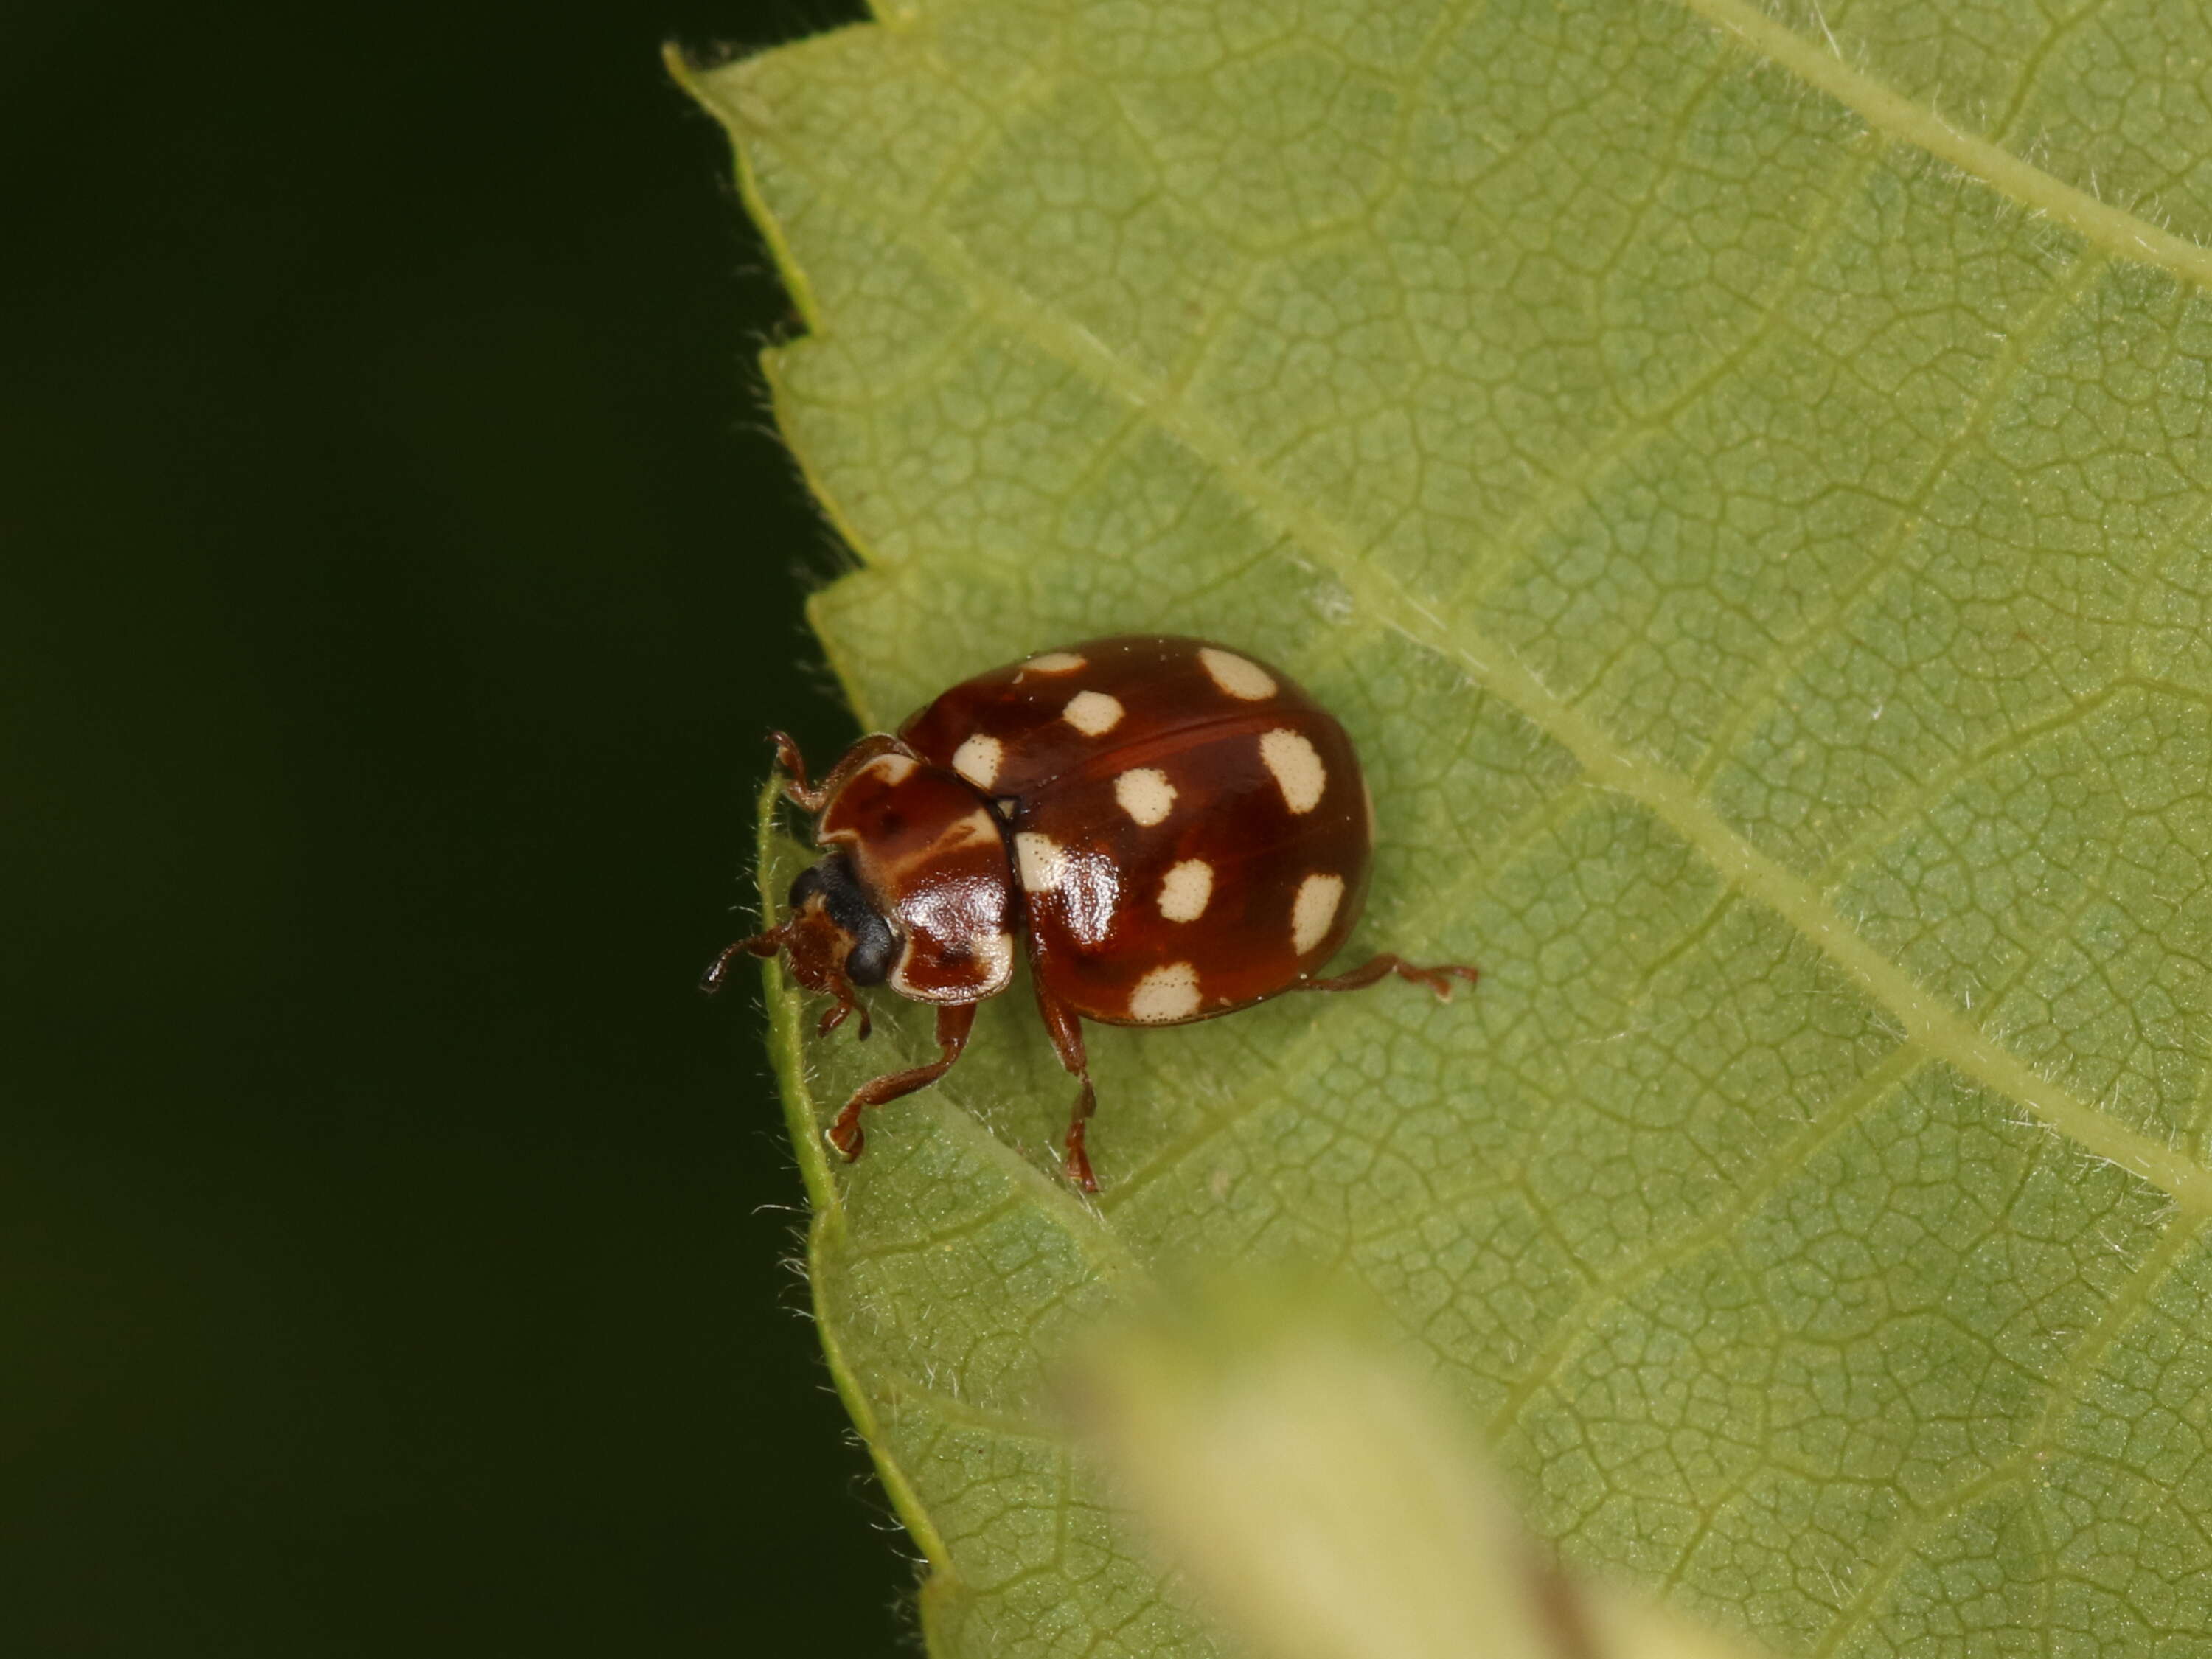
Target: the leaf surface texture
(1742, 479)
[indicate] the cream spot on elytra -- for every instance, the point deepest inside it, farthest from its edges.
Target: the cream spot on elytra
(1297, 767)
(901, 983)
(893, 770)
(1185, 890)
(1144, 794)
(978, 760)
(1313, 911)
(995, 958)
(1053, 662)
(1092, 713)
(1233, 675)
(1165, 995)
(1042, 864)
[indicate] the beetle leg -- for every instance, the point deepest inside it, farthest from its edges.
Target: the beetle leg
(812, 797)
(1078, 1159)
(796, 789)
(1064, 1027)
(768, 944)
(847, 1004)
(954, 1021)
(1438, 979)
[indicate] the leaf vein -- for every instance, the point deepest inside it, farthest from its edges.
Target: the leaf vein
(2064, 1389)
(1575, 1325)
(1924, 1016)
(1782, 658)
(1486, 574)
(2122, 234)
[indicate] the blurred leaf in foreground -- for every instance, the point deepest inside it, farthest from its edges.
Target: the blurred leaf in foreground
(1325, 1499)
(1744, 481)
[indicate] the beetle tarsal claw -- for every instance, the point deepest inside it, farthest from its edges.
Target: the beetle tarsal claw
(792, 765)
(843, 1008)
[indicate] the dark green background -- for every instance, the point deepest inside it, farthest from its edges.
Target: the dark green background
(397, 575)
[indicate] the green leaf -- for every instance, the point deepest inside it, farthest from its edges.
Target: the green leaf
(1742, 481)
(1322, 1495)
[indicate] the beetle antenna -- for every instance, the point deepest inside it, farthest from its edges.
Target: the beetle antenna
(760, 944)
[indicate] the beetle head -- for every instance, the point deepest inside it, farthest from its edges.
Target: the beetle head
(834, 935)
(917, 889)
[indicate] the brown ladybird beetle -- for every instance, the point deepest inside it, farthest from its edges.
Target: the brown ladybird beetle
(1177, 830)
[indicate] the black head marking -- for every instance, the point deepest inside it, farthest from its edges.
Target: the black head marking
(848, 902)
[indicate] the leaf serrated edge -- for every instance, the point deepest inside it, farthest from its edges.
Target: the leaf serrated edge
(787, 1054)
(2188, 1182)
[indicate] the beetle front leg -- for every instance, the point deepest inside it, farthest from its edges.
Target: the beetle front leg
(846, 1005)
(778, 938)
(811, 797)
(954, 1021)
(792, 765)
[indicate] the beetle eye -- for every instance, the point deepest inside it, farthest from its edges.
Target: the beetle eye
(870, 959)
(873, 944)
(808, 883)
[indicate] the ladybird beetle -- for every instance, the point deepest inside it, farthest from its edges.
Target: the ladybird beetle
(1173, 829)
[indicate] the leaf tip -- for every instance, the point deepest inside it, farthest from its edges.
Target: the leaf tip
(716, 80)
(682, 68)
